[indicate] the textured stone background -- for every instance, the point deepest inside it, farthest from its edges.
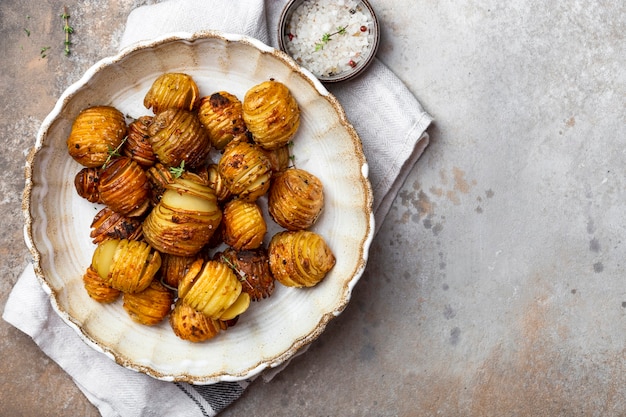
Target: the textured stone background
(496, 285)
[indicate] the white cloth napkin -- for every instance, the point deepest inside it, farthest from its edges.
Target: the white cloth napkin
(391, 124)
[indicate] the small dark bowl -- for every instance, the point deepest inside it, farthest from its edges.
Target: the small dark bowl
(359, 68)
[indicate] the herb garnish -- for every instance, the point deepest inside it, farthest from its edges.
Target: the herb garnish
(241, 275)
(67, 29)
(178, 171)
(327, 37)
(114, 153)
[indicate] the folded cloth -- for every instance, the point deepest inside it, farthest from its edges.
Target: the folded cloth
(392, 126)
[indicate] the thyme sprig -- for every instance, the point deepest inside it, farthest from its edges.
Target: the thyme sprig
(327, 37)
(114, 152)
(67, 29)
(178, 171)
(241, 275)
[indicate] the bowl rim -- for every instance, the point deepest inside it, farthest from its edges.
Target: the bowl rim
(66, 97)
(348, 75)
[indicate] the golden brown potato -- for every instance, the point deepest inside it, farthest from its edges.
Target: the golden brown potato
(214, 180)
(127, 265)
(221, 114)
(210, 287)
(192, 325)
(271, 114)
(174, 268)
(87, 182)
(176, 135)
(96, 132)
(97, 288)
(124, 187)
(279, 158)
(137, 145)
(150, 306)
(159, 176)
(295, 199)
(185, 218)
(299, 258)
(172, 90)
(108, 224)
(246, 171)
(243, 225)
(253, 269)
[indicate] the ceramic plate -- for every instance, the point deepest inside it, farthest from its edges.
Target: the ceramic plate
(270, 331)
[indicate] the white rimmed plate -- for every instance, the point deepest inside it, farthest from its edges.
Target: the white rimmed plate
(272, 330)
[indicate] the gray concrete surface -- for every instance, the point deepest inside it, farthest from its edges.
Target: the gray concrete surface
(496, 286)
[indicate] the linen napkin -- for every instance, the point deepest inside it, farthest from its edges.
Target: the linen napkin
(392, 125)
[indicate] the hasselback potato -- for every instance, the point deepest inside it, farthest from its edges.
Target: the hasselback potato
(95, 133)
(108, 224)
(271, 114)
(127, 265)
(174, 268)
(192, 325)
(150, 306)
(86, 183)
(176, 135)
(185, 218)
(124, 187)
(214, 180)
(97, 288)
(295, 199)
(299, 258)
(243, 225)
(279, 158)
(159, 176)
(137, 145)
(221, 114)
(172, 90)
(245, 169)
(212, 288)
(253, 269)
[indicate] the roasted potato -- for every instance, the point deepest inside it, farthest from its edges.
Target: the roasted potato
(212, 288)
(245, 170)
(221, 114)
(299, 258)
(108, 224)
(253, 269)
(96, 132)
(124, 187)
(177, 136)
(271, 114)
(243, 225)
(295, 199)
(97, 288)
(172, 90)
(150, 306)
(137, 145)
(87, 182)
(185, 218)
(127, 265)
(192, 325)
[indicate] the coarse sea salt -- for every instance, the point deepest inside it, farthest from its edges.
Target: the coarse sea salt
(329, 37)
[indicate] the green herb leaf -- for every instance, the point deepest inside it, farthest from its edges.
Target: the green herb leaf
(68, 30)
(327, 37)
(178, 171)
(114, 153)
